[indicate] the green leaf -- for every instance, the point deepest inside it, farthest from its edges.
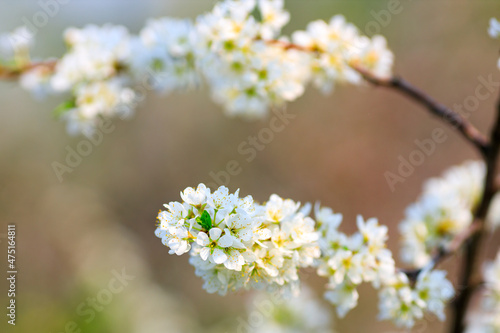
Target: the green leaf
(204, 220)
(63, 108)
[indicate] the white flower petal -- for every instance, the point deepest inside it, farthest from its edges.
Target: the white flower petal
(204, 253)
(215, 233)
(219, 256)
(202, 239)
(225, 241)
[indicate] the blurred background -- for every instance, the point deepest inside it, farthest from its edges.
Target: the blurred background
(74, 235)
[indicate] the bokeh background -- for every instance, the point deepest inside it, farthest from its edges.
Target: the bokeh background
(72, 234)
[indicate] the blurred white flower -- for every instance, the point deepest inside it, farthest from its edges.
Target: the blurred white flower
(403, 304)
(494, 32)
(303, 313)
(15, 46)
(494, 28)
(274, 17)
(486, 318)
(344, 296)
(37, 81)
(444, 210)
(164, 54)
(94, 54)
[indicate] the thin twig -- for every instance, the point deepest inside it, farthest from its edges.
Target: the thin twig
(471, 133)
(14, 74)
(289, 46)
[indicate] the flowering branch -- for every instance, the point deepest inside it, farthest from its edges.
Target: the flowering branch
(238, 50)
(471, 133)
(14, 73)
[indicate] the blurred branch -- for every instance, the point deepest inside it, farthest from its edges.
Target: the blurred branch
(471, 133)
(289, 46)
(9, 74)
(14, 73)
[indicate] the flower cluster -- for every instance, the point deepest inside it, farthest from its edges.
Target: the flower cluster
(93, 71)
(403, 303)
(237, 48)
(247, 72)
(488, 318)
(338, 47)
(348, 261)
(444, 209)
(164, 55)
(363, 257)
(236, 243)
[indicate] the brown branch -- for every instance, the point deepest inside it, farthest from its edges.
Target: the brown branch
(15, 73)
(473, 246)
(472, 237)
(289, 46)
(471, 133)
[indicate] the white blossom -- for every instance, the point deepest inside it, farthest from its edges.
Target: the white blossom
(494, 28)
(265, 244)
(404, 304)
(95, 54)
(444, 209)
(348, 261)
(344, 296)
(94, 71)
(237, 48)
(274, 17)
(15, 46)
(337, 46)
(164, 55)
